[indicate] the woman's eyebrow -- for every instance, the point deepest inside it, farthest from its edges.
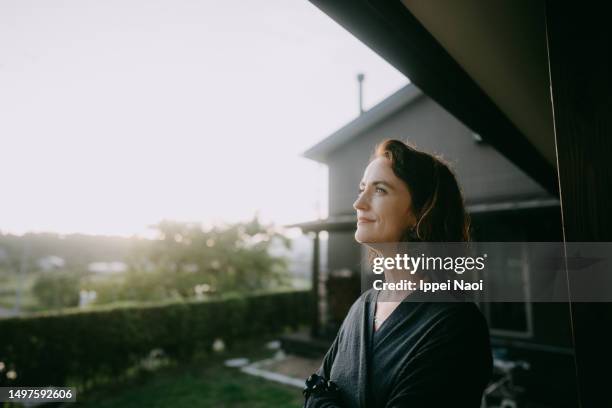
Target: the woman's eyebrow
(379, 182)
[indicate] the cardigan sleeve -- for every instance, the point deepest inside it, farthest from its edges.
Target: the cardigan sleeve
(324, 400)
(329, 358)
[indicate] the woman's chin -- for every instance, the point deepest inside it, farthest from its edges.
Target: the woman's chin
(365, 239)
(362, 238)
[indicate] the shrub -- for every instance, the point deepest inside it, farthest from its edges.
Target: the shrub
(78, 346)
(57, 290)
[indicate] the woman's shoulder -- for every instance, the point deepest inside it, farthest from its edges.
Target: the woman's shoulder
(460, 325)
(359, 305)
(451, 307)
(458, 314)
(358, 309)
(456, 321)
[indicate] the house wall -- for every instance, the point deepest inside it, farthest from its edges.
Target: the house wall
(432, 129)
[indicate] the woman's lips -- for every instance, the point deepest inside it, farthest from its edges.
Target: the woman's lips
(363, 220)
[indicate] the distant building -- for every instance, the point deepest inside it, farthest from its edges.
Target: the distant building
(51, 263)
(107, 268)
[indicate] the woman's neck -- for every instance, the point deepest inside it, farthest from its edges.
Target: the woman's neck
(396, 276)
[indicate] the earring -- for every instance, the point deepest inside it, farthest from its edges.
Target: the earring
(412, 234)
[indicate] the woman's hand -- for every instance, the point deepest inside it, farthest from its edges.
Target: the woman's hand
(321, 393)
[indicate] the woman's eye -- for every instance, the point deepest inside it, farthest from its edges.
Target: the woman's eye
(378, 190)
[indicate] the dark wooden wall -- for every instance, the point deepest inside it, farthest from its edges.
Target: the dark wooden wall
(580, 48)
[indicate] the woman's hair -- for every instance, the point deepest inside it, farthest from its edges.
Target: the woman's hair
(437, 202)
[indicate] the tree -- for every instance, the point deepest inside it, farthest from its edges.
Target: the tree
(57, 290)
(187, 260)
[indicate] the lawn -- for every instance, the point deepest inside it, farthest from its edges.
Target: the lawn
(202, 383)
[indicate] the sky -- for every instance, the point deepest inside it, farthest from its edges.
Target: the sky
(115, 115)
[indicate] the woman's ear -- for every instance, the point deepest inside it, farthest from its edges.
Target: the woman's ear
(409, 226)
(411, 219)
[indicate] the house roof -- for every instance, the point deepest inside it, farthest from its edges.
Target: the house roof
(348, 222)
(373, 116)
(487, 66)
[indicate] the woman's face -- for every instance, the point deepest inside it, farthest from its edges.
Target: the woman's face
(384, 205)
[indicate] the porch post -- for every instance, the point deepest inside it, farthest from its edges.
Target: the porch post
(314, 329)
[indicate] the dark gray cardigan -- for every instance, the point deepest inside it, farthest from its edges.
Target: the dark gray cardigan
(426, 354)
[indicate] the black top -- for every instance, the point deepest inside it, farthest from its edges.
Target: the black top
(425, 354)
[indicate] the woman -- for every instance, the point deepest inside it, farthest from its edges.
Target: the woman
(421, 353)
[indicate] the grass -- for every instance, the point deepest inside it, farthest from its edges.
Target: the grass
(202, 383)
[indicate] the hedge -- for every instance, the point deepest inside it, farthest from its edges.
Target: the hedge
(55, 348)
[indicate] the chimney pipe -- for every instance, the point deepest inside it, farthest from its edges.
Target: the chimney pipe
(360, 78)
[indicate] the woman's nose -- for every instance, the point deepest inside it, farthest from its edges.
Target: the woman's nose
(360, 203)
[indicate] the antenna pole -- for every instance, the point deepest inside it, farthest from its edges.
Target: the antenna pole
(360, 78)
